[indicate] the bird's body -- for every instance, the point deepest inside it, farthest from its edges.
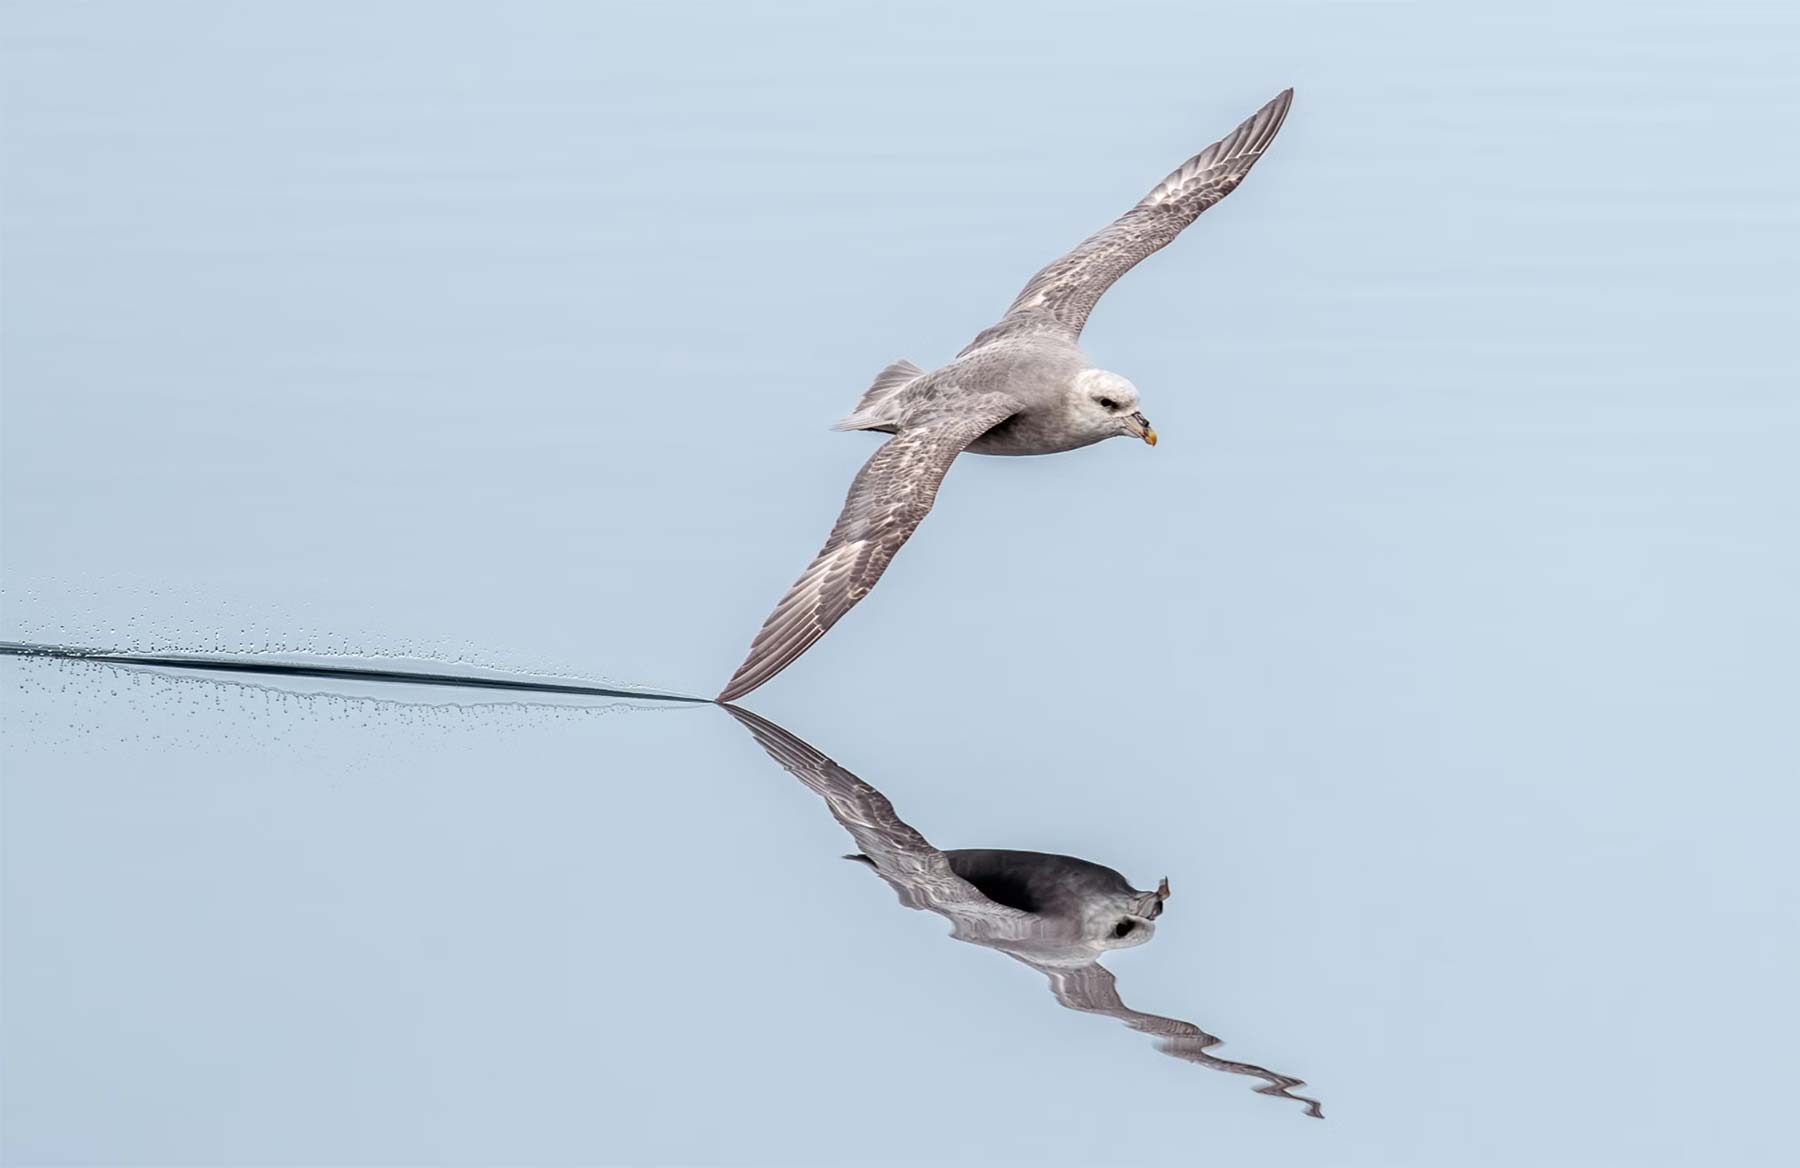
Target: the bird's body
(1064, 888)
(1021, 387)
(1057, 910)
(1037, 374)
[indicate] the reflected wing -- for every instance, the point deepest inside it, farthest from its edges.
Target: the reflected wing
(1059, 298)
(1092, 990)
(888, 499)
(918, 872)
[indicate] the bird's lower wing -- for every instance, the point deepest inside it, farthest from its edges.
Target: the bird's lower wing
(1092, 990)
(919, 873)
(1059, 298)
(888, 499)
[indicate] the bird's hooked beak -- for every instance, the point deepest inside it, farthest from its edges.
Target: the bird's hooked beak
(1150, 904)
(1140, 425)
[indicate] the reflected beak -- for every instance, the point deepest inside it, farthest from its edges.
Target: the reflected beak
(1144, 429)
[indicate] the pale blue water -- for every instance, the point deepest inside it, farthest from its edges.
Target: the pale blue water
(1442, 654)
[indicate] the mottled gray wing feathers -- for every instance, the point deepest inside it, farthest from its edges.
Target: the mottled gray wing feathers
(888, 499)
(1093, 990)
(1059, 298)
(919, 873)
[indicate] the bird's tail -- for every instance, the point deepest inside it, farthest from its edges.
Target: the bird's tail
(868, 414)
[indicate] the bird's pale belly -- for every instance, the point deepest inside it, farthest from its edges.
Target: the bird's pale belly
(1021, 435)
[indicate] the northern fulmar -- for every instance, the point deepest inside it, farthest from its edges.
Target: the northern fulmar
(1022, 386)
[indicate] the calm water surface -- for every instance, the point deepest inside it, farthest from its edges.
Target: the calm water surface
(1441, 655)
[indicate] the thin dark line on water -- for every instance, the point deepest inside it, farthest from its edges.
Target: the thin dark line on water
(337, 672)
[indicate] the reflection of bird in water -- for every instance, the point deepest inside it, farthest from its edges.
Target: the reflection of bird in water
(1056, 914)
(1021, 387)
(1080, 905)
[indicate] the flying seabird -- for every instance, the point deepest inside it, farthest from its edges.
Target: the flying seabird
(1021, 387)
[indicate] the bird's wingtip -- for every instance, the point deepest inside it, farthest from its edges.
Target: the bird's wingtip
(737, 687)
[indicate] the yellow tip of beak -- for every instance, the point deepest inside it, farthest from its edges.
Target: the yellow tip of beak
(1150, 435)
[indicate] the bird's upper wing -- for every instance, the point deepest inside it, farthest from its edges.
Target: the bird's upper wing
(1091, 989)
(1059, 298)
(918, 872)
(888, 498)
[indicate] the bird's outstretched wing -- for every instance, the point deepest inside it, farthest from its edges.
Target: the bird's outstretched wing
(1059, 298)
(1092, 989)
(888, 499)
(918, 872)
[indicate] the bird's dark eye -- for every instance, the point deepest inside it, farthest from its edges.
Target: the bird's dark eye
(1107, 403)
(1123, 928)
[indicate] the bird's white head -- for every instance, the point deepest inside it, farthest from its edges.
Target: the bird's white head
(1128, 920)
(1106, 406)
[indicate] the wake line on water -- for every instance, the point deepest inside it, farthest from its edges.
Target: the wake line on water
(216, 664)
